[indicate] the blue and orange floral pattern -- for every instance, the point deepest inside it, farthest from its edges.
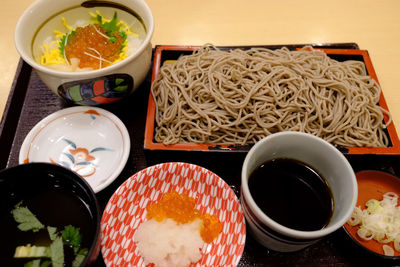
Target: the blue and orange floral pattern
(79, 159)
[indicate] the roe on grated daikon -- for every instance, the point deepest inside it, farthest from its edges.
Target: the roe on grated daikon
(168, 243)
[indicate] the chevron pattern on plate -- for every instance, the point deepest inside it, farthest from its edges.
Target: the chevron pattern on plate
(126, 209)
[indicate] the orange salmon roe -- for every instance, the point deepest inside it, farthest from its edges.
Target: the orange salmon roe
(87, 39)
(181, 208)
(212, 228)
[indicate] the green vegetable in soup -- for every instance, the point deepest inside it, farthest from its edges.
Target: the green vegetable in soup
(34, 263)
(57, 252)
(27, 221)
(79, 257)
(52, 232)
(29, 251)
(38, 263)
(70, 237)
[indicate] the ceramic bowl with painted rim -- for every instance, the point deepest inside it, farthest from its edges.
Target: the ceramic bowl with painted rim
(91, 141)
(42, 18)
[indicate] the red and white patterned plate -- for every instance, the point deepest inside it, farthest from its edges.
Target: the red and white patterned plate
(126, 209)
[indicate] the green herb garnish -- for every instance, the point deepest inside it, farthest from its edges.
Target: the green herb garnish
(57, 252)
(34, 263)
(64, 40)
(52, 232)
(124, 37)
(72, 237)
(110, 26)
(27, 221)
(112, 39)
(37, 263)
(62, 44)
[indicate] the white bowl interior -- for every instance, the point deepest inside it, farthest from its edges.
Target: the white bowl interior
(41, 11)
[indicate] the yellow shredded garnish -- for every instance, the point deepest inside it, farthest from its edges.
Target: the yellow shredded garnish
(126, 28)
(51, 54)
(58, 34)
(64, 21)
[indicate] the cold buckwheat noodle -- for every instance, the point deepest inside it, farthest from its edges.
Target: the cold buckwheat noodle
(240, 96)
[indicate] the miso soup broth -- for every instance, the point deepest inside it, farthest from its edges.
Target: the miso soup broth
(51, 207)
(56, 33)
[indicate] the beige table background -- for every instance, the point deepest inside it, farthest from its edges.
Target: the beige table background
(373, 24)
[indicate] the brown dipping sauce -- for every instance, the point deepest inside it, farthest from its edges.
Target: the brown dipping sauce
(292, 194)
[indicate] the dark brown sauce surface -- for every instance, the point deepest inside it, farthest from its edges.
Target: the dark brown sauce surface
(52, 207)
(292, 194)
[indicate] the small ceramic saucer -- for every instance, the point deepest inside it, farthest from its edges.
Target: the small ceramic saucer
(90, 141)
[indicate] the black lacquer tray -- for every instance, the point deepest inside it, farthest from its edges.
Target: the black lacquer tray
(30, 100)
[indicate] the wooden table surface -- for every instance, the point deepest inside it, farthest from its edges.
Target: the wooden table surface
(373, 25)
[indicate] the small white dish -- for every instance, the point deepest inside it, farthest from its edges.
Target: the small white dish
(91, 141)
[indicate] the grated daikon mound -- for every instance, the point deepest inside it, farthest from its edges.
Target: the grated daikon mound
(168, 243)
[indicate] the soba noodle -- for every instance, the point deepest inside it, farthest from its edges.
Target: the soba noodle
(240, 96)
